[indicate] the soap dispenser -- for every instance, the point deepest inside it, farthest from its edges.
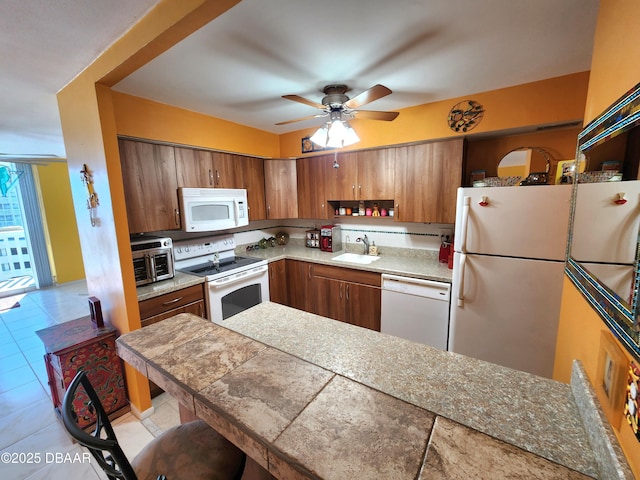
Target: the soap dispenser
(373, 249)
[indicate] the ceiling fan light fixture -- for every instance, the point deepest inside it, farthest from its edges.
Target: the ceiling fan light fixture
(336, 133)
(320, 137)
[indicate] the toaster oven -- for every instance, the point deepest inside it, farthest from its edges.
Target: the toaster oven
(152, 259)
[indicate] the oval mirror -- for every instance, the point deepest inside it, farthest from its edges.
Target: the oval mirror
(522, 161)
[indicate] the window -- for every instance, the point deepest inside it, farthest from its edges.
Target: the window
(6, 267)
(3, 252)
(16, 265)
(24, 250)
(14, 251)
(12, 239)
(27, 264)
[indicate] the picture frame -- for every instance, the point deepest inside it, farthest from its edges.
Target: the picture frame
(611, 378)
(307, 146)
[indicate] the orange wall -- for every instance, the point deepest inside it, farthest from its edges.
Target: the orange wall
(138, 117)
(614, 71)
(553, 101)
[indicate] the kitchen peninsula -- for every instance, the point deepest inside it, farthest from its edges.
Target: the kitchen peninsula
(295, 390)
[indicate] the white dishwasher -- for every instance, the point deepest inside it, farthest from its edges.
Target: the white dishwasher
(416, 309)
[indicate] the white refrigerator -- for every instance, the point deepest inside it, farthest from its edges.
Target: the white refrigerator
(508, 271)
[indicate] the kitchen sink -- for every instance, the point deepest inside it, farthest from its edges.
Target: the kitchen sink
(355, 258)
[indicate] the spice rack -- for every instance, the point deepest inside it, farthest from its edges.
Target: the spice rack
(353, 208)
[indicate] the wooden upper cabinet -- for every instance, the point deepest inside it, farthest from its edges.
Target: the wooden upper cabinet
(150, 186)
(281, 188)
(253, 181)
(203, 168)
(227, 171)
(312, 196)
(427, 177)
(342, 181)
(376, 174)
(194, 167)
(365, 175)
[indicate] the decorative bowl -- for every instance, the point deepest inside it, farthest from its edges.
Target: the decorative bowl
(282, 238)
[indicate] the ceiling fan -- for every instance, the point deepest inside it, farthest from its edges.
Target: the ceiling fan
(337, 102)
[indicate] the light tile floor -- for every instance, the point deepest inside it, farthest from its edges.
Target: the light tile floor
(33, 442)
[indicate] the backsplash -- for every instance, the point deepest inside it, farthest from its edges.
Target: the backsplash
(384, 232)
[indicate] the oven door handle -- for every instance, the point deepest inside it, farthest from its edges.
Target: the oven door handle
(238, 277)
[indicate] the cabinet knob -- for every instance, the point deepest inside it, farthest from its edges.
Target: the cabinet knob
(176, 215)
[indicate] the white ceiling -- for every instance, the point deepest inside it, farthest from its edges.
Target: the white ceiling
(238, 67)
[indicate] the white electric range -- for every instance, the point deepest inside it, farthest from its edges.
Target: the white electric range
(232, 283)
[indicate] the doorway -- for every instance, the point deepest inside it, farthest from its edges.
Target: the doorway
(21, 233)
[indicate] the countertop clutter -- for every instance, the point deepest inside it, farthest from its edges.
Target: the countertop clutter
(398, 261)
(417, 263)
(294, 389)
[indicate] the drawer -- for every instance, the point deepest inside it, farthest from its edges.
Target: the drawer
(170, 301)
(347, 274)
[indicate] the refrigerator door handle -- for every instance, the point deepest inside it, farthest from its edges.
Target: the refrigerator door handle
(466, 205)
(460, 292)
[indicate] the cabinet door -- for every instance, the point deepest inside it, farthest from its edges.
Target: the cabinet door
(376, 174)
(278, 282)
(363, 305)
(427, 177)
(281, 188)
(342, 182)
(227, 170)
(312, 197)
(299, 284)
(253, 178)
(150, 186)
(194, 167)
(330, 298)
(352, 296)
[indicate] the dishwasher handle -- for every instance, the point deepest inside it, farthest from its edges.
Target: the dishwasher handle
(416, 286)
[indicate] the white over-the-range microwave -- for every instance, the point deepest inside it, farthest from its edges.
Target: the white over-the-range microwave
(211, 209)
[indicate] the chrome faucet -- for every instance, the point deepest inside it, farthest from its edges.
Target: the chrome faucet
(364, 240)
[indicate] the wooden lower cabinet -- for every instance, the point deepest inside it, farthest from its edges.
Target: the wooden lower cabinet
(278, 282)
(299, 284)
(351, 296)
(185, 300)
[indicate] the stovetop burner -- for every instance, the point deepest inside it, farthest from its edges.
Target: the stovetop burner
(225, 265)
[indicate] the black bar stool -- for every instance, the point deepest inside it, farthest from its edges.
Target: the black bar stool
(192, 450)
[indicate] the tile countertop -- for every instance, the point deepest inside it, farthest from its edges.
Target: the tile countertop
(294, 389)
(179, 281)
(417, 263)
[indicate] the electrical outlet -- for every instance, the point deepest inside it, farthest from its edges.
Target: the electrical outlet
(444, 233)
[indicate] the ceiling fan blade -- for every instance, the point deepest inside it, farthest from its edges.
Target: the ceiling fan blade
(368, 96)
(301, 119)
(374, 115)
(299, 99)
